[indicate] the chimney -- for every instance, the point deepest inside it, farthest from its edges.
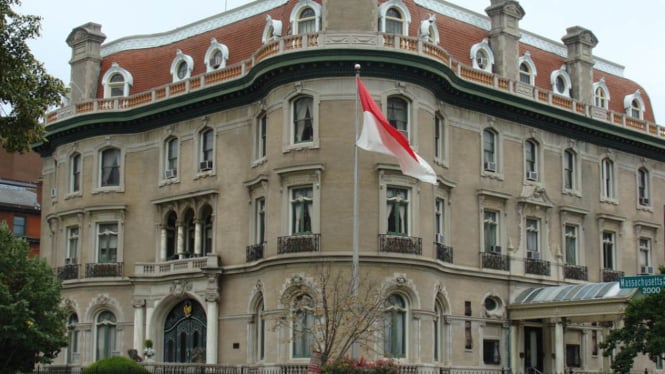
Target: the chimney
(504, 36)
(579, 64)
(85, 42)
(350, 15)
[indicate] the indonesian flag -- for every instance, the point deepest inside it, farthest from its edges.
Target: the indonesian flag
(378, 135)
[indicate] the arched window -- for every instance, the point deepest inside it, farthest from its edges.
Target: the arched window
(482, 57)
(72, 338)
(260, 330)
(306, 21)
(527, 69)
(303, 130)
(206, 230)
(394, 18)
(634, 105)
(106, 335)
(437, 330)
(303, 323)
(601, 94)
(305, 17)
(182, 66)
(116, 81)
(394, 343)
(560, 80)
(216, 56)
(109, 167)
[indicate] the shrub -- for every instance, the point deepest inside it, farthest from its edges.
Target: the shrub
(115, 365)
(362, 366)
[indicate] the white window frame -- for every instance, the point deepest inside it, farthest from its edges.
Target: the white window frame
(296, 12)
(532, 167)
(562, 76)
(491, 217)
(306, 203)
(643, 188)
(181, 58)
(525, 60)
(601, 94)
(399, 6)
(571, 164)
(295, 177)
(171, 172)
(532, 227)
(105, 236)
(403, 205)
(634, 105)
(99, 170)
(126, 84)
(214, 48)
(389, 178)
(575, 236)
(482, 48)
(73, 244)
(608, 180)
(201, 152)
(288, 139)
(75, 173)
(609, 240)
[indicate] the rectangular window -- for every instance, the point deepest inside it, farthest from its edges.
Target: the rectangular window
(260, 143)
(530, 153)
(438, 137)
(19, 228)
(397, 200)
(439, 221)
(608, 250)
(608, 178)
(533, 238)
(110, 173)
(645, 256)
(398, 114)
(303, 126)
(643, 187)
(491, 352)
(573, 356)
(468, 339)
(75, 185)
(107, 242)
(489, 150)
(490, 231)
(594, 343)
(259, 225)
(569, 170)
(301, 210)
(303, 323)
(72, 243)
(171, 159)
(571, 244)
(207, 146)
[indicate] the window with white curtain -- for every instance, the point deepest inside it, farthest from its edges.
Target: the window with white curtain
(110, 167)
(394, 22)
(608, 250)
(303, 130)
(306, 21)
(394, 343)
(397, 200)
(72, 338)
(301, 210)
(303, 323)
(533, 236)
(490, 231)
(571, 244)
(72, 243)
(106, 335)
(107, 242)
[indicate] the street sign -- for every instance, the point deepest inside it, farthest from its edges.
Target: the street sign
(648, 284)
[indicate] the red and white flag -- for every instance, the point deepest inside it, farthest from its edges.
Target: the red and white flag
(378, 135)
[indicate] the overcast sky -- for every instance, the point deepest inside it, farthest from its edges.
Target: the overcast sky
(630, 33)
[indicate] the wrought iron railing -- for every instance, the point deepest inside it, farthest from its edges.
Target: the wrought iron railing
(67, 272)
(298, 243)
(400, 244)
(578, 272)
(444, 253)
(495, 261)
(254, 252)
(611, 275)
(536, 266)
(100, 270)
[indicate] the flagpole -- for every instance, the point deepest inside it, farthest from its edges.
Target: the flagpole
(356, 224)
(356, 229)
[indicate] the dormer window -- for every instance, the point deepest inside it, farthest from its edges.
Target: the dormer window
(527, 69)
(116, 81)
(482, 57)
(182, 66)
(305, 17)
(394, 18)
(216, 56)
(601, 94)
(634, 105)
(560, 81)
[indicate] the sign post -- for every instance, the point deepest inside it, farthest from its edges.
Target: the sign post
(648, 284)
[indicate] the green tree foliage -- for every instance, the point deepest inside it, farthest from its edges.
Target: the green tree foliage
(32, 322)
(643, 332)
(115, 365)
(26, 90)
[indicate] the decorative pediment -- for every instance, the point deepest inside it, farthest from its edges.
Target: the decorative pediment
(535, 195)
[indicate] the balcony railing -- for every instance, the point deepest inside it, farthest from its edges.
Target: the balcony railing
(409, 45)
(67, 272)
(254, 252)
(444, 253)
(495, 261)
(577, 272)
(298, 243)
(188, 265)
(536, 266)
(400, 244)
(611, 275)
(101, 270)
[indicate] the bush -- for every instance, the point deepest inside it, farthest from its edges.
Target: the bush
(115, 365)
(362, 366)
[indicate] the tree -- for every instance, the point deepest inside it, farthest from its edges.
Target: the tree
(333, 316)
(26, 90)
(643, 332)
(32, 322)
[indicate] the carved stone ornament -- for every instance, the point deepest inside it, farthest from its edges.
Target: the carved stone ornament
(138, 303)
(179, 287)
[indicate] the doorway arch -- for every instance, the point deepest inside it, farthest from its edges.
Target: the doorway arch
(185, 333)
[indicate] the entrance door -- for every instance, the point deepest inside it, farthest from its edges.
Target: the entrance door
(185, 333)
(533, 350)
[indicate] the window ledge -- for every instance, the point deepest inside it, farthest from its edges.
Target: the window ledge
(259, 162)
(166, 182)
(609, 201)
(204, 174)
(492, 175)
(645, 208)
(73, 195)
(300, 147)
(102, 190)
(441, 162)
(574, 193)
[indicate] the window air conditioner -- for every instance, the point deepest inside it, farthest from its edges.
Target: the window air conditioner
(171, 173)
(533, 255)
(646, 269)
(205, 165)
(495, 249)
(490, 166)
(644, 201)
(532, 175)
(440, 239)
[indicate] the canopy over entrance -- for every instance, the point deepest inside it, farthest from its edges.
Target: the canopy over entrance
(588, 302)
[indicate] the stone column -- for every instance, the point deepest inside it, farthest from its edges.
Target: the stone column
(514, 360)
(162, 244)
(181, 238)
(579, 62)
(197, 237)
(558, 346)
(212, 317)
(139, 321)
